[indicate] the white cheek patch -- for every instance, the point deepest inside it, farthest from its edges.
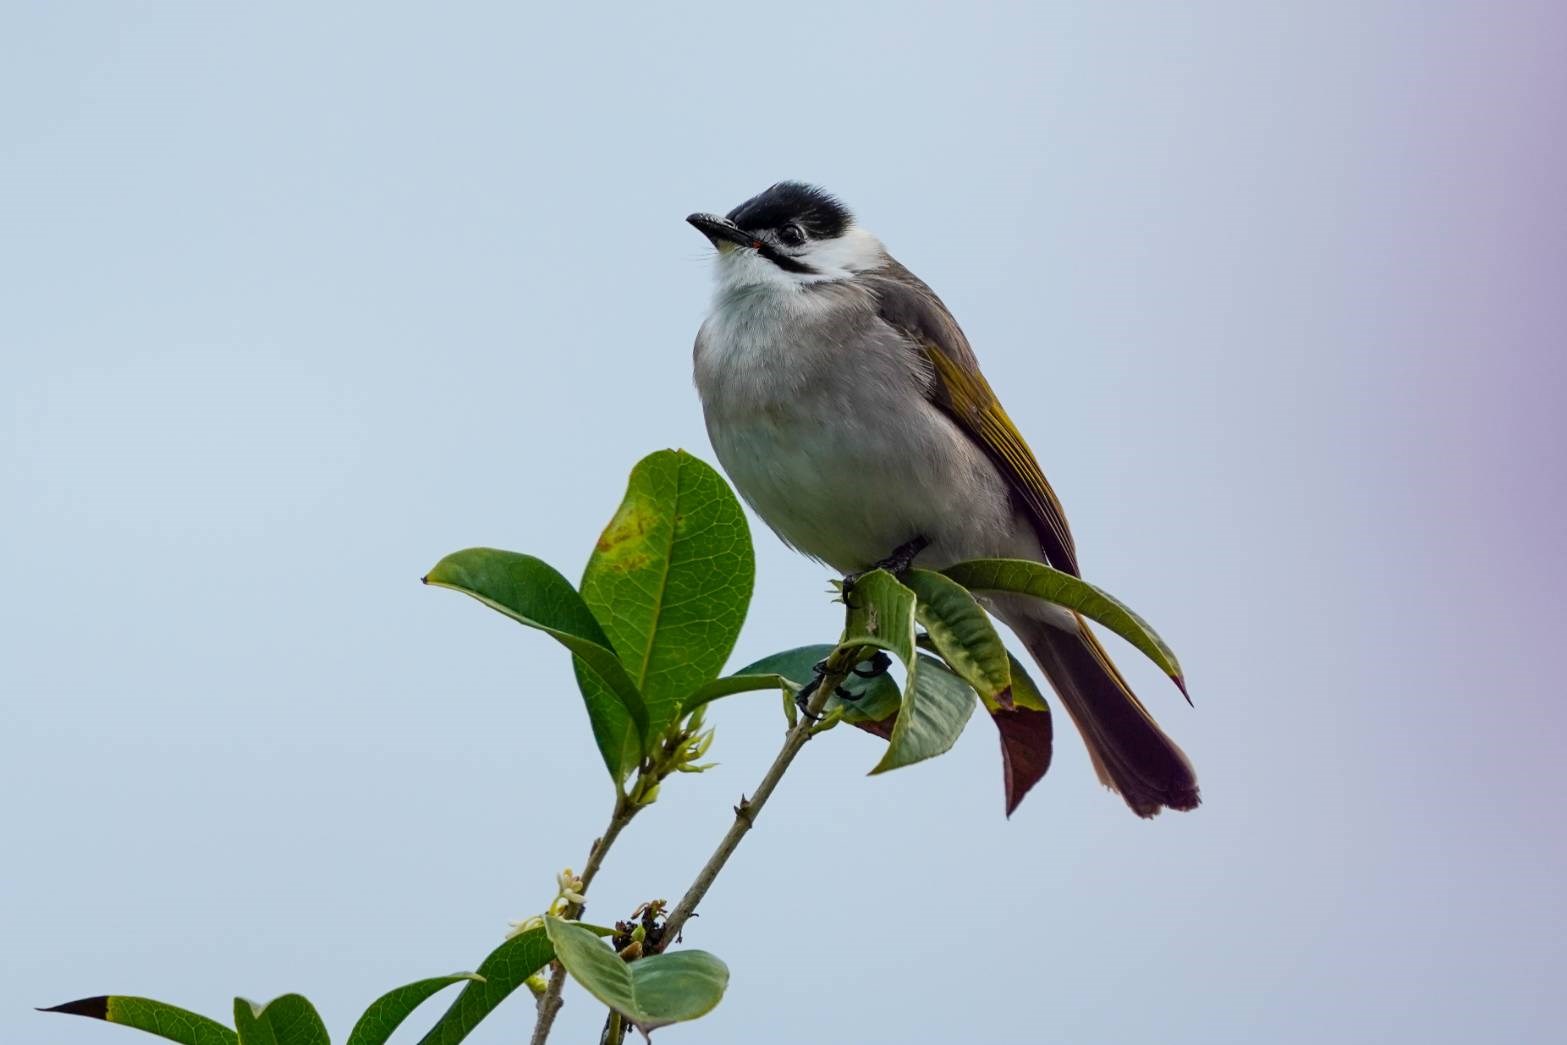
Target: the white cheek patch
(854, 251)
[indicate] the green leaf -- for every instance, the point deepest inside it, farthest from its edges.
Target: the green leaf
(501, 973)
(531, 592)
(1031, 578)
(881, 614)
(287, 1020)
(729, 685)
(651, 992)
(875, 700)
(962, 633)
(670, 579)
(154, 1017)
(388, 1011)
(936, 706)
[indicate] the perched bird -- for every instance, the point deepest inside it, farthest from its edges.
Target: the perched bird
(848, 409)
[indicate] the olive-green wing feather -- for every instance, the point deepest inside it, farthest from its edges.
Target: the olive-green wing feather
(961, 391)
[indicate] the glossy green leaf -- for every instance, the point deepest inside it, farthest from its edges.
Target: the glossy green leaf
(154, 1017)
(874, 700)
(881, 614)
(936, 706)
(501, 973)
(729, 685)
(531, 592)
(287, 1020)
(388, 1011)
(962, 633)
(1031, 578)
(670, 579)
(651, 992)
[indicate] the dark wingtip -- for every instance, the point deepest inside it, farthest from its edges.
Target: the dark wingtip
(97, 1008)
(1180, 682)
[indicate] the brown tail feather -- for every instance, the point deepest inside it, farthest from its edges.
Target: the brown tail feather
(1130, 752)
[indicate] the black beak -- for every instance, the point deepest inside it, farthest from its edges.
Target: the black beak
(719, 230)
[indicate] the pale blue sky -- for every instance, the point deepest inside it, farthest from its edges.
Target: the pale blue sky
(294, 299)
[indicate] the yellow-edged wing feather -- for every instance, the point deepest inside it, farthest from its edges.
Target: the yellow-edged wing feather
(963, 394)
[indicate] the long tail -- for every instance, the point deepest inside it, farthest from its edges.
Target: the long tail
(1130, 752)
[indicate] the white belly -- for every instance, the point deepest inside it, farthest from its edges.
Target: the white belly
(847, 482)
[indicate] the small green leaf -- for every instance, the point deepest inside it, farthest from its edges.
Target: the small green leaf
(287, 1020)
(936, 706)
(154, 1017)
(1063, 589)
(388, 1011)
(531, 592)
(670, 579)
(962, 633)
(729, 685)
(874, 700)
(881, 614)
(676, 987)
(651, 992)
(499, 974)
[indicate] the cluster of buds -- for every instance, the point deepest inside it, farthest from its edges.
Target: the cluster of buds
(645, 931)
(679, 752)
(569, 891)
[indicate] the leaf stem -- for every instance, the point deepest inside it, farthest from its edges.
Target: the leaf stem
(549, 1001)
(837, 670)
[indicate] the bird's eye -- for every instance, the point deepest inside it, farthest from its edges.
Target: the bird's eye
(791, 235)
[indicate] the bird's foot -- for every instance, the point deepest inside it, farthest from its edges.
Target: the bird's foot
(878, 665)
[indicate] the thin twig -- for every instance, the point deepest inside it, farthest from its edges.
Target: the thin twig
(549, 1001)
(837, 670)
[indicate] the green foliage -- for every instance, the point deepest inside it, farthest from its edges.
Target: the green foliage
(388, 1011)
(936, 706)
(961, 632)
(288, 1020)
(154, 1017)
(531, 592)
(742, 682)
(670, 579)
(661, 604)
(651, 992)
(506, 968)
(1032, 578)
(872, 701)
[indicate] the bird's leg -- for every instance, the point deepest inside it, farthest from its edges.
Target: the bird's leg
(902, 556)
(897, 563)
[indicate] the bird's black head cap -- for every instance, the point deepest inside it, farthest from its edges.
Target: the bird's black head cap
(815, 210)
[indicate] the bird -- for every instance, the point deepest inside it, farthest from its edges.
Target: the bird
(848, 408)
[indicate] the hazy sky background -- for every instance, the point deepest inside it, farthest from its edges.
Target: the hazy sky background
(296, 298)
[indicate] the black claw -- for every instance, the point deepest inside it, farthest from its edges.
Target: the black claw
(802, 699)
(880, 662)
